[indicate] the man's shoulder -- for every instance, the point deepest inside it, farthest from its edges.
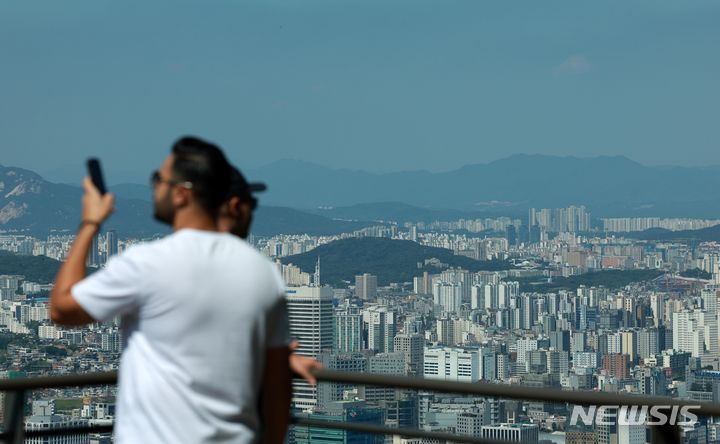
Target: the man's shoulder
(146, 252)
(245, 248)
(144, 247)
(262, 265)
(253, 255)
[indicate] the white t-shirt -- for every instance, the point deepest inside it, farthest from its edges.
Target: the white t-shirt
(199, 309)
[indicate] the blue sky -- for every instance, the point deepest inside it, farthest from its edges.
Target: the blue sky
(379, 85)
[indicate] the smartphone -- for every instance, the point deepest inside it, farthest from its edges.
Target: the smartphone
(93, 166)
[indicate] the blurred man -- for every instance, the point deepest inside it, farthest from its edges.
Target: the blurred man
(236, 216)
(203, 314)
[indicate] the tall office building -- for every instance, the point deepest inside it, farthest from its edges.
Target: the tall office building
(366, 287)
(384, 364)
(310, 318)
(414, 347)
(452, 364)
(93, 259)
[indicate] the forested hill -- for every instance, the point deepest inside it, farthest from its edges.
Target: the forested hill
(40, 269)
(390, 260)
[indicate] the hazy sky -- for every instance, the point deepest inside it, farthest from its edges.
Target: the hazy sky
(377, 85)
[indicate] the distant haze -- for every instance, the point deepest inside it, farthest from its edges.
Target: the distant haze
(377, 85)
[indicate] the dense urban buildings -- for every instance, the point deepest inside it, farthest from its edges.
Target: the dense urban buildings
(572, 305)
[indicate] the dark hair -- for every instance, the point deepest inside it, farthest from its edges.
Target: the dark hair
(205, 166)
(240, 188)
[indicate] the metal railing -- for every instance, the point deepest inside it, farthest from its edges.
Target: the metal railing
(15, 394)
(15, 391)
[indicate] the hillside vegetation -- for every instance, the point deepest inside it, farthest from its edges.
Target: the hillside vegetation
(390, 260)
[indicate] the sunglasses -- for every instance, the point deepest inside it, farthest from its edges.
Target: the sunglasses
(156, 179)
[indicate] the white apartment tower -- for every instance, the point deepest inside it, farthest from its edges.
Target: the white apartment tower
(366, 286)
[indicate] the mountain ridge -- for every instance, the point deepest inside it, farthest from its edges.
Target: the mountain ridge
(610, 186)
(30, 204)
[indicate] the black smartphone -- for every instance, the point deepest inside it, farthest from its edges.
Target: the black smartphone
(93, 166)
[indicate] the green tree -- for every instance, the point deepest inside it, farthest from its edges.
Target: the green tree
(34, 326)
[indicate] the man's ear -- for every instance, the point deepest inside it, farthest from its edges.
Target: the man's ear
(244, 209)
(180, 196)
(233, 207)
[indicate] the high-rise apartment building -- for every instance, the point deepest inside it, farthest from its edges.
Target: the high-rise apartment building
(348, 329)
(688, 332)
(571, 219)
(366, 287)
(422, 284)
(448, 296)
(381, 328)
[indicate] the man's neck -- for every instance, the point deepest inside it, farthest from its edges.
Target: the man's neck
(195, 219)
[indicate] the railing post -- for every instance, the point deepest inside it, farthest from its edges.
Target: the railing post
(14, 417)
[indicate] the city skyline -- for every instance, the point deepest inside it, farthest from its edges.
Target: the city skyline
(655, 333)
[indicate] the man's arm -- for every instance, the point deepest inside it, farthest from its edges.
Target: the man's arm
(64, 309)
(303, 365)
(276, 395)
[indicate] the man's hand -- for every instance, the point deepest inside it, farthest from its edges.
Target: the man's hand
(95, 206)
(303, 365)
